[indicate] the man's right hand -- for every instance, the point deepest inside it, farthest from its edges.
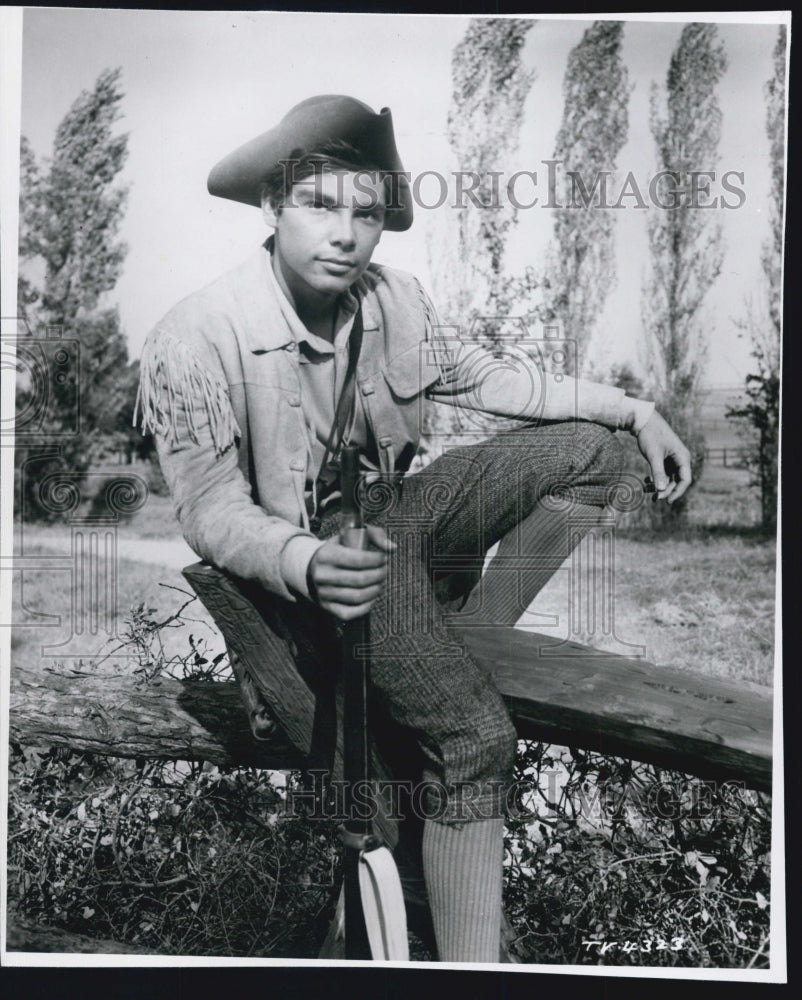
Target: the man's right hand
(347, 581)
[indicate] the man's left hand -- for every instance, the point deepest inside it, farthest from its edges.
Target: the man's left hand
(668, 457)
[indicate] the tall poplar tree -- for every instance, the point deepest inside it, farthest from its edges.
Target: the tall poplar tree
(467, 255)
(594, 129)
(28, 293)
(685, 242)
(761, 412)
(490, 86)
(81, 207)
(775, 130)
(71, 211)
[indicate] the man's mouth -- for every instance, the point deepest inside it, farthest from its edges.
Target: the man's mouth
(337, 264)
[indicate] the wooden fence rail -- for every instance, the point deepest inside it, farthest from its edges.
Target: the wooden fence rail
(567, 693)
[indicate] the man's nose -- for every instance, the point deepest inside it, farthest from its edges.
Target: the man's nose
(343, 232)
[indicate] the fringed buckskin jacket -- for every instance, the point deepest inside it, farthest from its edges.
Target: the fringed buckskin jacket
(220, 392)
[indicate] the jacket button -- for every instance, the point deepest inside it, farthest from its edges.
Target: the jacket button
(367, 389)
(294, 400)
(298, 465)
(292, 346)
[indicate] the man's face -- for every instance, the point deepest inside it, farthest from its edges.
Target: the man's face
(326, 232)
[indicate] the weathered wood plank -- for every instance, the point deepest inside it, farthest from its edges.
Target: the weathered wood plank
(576, 696)
(168, 720)
(570, 695)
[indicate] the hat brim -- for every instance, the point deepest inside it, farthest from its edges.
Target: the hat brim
(308, 128)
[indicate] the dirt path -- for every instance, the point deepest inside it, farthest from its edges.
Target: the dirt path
(171, 552)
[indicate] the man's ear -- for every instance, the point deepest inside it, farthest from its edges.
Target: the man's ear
(269, 214)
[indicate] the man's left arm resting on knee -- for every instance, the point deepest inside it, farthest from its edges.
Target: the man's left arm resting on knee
(517, 387)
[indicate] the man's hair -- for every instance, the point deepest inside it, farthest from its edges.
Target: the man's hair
(334, 155)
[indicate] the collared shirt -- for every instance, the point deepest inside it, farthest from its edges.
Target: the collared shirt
(323, 366)
(205, 379)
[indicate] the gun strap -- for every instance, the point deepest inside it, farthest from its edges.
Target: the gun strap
(345, 407)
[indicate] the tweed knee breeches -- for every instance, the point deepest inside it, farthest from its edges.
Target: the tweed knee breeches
(438, 717)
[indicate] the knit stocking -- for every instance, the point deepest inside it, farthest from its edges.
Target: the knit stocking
(462, 866)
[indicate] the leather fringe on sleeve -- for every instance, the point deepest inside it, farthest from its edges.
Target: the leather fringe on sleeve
(171, 380)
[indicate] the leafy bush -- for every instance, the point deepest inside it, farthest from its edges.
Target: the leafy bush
(183, 859)
(628, 864)
(760, 428)
(190, 859)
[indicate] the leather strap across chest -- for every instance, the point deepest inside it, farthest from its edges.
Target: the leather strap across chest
(329, 467)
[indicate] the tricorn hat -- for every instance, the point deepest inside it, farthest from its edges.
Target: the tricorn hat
(309, 126)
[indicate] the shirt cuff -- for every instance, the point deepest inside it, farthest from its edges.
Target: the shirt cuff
(295, 558)
(635, 413)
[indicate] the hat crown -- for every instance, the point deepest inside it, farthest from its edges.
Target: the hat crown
(335, 100)
(328, 118)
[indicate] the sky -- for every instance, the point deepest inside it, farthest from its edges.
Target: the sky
(198, 84)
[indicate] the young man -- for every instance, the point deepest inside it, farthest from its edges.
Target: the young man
(251, 387)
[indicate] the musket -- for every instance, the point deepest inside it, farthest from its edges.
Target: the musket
(375, 917)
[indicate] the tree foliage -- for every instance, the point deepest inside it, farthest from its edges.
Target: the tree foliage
(775, 130)
(594, 129)
(30, 224)
(72, 207)
(471, 286)
(80, 207)
(490, 86)
(685, 241)
(761, 413)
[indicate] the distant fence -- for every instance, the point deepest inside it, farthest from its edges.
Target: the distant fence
(732, 458)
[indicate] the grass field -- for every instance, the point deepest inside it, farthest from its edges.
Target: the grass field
(704, 604)
(160, 588)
